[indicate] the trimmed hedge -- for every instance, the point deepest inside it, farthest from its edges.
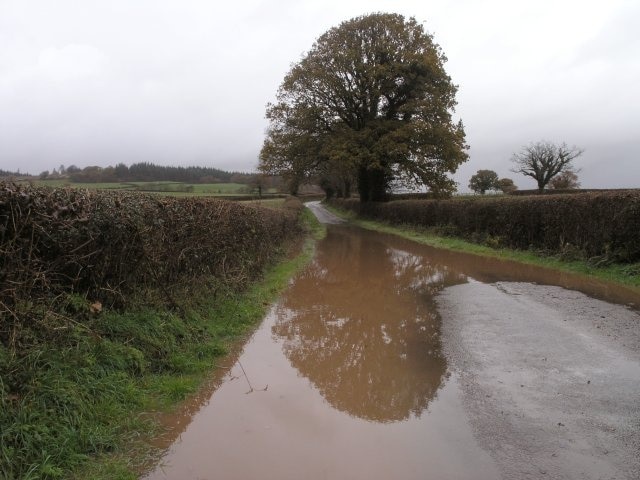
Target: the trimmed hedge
(570, 191)
(603, 224)
(60, 244)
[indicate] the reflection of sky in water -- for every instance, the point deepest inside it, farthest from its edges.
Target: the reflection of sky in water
(385, 336)
(423, 273)
(338, 322)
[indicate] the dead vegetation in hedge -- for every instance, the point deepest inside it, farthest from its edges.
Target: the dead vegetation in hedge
(602, 227)
(63, 249)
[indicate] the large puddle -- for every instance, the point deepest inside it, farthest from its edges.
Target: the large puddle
(346, 378)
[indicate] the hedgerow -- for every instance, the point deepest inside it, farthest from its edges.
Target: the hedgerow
(601, 226)
(105, 294)
(102, 246)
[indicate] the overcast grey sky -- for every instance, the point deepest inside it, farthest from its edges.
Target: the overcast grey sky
(185, 82)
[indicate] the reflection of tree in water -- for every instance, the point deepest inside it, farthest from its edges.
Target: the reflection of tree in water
(361, 324)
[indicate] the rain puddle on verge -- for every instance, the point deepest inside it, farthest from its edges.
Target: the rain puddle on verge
(346, 378)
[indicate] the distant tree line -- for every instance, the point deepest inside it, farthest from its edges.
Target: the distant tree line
(148, 172)
(145, 172)
(7, 173)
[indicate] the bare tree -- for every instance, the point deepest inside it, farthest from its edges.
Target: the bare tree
(544, 160)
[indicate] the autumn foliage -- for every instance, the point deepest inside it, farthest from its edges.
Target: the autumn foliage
(370, 104)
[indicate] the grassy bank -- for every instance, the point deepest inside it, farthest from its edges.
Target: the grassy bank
(625, 274)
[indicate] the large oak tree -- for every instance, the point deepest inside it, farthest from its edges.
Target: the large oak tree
(370, 101)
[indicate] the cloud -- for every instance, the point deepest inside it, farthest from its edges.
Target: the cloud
(184, 82)
(71, 63)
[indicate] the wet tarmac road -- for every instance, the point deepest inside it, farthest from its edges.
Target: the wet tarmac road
(550, 378)
(389, 359)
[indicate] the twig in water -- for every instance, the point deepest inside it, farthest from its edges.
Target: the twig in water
(247, 378)
(251, 389)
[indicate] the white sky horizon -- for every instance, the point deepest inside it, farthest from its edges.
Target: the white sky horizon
(187, 82)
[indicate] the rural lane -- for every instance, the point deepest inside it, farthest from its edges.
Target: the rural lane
(322, 214)
(550, 377)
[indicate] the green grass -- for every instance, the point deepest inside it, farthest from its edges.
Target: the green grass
(163, 187)
(221, 188)
(268, 202)
(53, 183)
(317, 230)
(77, 405)
(624, 274)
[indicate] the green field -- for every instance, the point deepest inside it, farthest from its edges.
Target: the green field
(92, 186)
(167, 188)
(268, 202)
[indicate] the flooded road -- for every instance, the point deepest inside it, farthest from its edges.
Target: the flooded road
(388, 359)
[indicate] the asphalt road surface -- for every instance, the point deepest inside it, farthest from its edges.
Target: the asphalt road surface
(550, 378)
(323, 215)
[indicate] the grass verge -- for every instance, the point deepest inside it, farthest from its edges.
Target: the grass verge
(624, 274)
(79, 407)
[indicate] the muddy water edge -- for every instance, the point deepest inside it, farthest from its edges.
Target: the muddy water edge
(360, 371)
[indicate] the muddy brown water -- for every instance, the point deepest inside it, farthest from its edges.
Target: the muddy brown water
(346, 377)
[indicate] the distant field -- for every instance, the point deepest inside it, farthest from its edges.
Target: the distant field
(270, 202)
(221, 188)
(178, 189)
(91, 186)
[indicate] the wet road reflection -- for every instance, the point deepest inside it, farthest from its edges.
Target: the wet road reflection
(360, 323)
(358, 385)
